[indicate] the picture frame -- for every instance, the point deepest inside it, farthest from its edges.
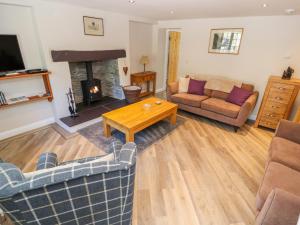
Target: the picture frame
(93, 26)
(225, 40)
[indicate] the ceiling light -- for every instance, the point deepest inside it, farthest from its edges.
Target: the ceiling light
(172, 12)
(265, 5)
(131, 1)
(290, 11)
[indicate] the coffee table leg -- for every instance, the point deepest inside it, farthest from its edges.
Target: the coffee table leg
(129, 136)
(106, 128)
(173, 117)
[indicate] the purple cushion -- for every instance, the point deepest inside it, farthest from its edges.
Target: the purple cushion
(196, 87)
(238, 96)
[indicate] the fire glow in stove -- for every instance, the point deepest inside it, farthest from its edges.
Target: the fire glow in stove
(91, 88)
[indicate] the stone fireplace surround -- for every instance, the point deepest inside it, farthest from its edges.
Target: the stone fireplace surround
(107, 66)
(107, 71)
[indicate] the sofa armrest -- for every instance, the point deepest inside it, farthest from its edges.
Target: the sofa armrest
(280, 208)
(172, 89)
(247, 108)
(288, 130)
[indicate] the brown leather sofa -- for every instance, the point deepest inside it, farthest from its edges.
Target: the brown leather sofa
(213, 105)
(278, 198)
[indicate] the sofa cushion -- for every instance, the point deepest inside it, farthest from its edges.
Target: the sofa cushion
(280, 208)
(278, 176)
(285, 152)
(238, 96)
(207, 92)
(188, 99)
(221, 106)
(183, 84)
(219, 94)
(248, 87)
(196, 87)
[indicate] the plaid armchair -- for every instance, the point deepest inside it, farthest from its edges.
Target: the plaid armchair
(81, 192)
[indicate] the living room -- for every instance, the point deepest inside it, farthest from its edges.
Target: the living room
(203, 144)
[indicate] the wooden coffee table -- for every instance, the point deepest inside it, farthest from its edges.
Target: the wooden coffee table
(136, 117)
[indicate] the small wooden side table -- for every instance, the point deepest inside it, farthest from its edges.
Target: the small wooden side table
(297, 117)
(144, 77)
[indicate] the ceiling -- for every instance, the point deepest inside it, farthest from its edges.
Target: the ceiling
(185, 9)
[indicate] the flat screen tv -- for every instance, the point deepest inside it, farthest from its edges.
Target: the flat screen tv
(10, 54)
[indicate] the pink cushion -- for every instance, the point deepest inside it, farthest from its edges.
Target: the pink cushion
(238, 96)
(196, 87)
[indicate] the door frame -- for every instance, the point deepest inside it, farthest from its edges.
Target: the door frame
(166, 55)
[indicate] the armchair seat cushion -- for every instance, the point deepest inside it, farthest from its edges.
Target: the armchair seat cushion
(278, 176)
(220, 106)
(285, 152)
(189, 99)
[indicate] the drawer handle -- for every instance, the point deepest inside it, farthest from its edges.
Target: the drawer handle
(278, 98)
(281, 88)
(275, 107)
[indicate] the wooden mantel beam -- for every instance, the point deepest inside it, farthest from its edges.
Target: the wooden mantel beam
(86, 56)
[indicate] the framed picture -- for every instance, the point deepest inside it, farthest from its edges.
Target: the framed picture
(225, 41)
(93, 26)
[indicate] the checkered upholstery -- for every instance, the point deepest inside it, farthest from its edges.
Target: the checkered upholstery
(92, 192)
(47, 160)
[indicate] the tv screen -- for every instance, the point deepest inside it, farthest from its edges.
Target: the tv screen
(10, 54)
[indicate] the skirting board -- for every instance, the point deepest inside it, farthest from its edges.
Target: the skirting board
(26, 128)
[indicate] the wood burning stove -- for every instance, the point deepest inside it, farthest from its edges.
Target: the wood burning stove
(91, 88)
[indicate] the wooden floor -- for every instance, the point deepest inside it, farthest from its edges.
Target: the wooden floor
(200, 174)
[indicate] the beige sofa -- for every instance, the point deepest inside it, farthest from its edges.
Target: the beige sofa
(278, 197)
(213, 105)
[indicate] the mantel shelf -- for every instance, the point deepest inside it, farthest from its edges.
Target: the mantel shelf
(47, 96)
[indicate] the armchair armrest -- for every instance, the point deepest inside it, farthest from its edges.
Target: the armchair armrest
(247, 108)
(172, 89)
(47, 160)
(280, 208)
(288, 130)
(67, 171)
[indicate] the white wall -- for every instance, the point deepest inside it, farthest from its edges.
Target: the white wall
(269, 45)
(18, 20)
(140, 36)
(60, 27)
(147, 39)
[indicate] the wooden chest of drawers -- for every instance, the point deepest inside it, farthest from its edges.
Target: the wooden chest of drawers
(277, 102)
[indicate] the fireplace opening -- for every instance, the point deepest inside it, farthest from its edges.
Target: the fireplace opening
(95, 79)
(94, 90)
(91, 88)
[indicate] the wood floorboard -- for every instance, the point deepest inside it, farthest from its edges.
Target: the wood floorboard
(201, 173)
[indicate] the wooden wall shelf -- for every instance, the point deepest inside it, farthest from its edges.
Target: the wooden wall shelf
(47, 96)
